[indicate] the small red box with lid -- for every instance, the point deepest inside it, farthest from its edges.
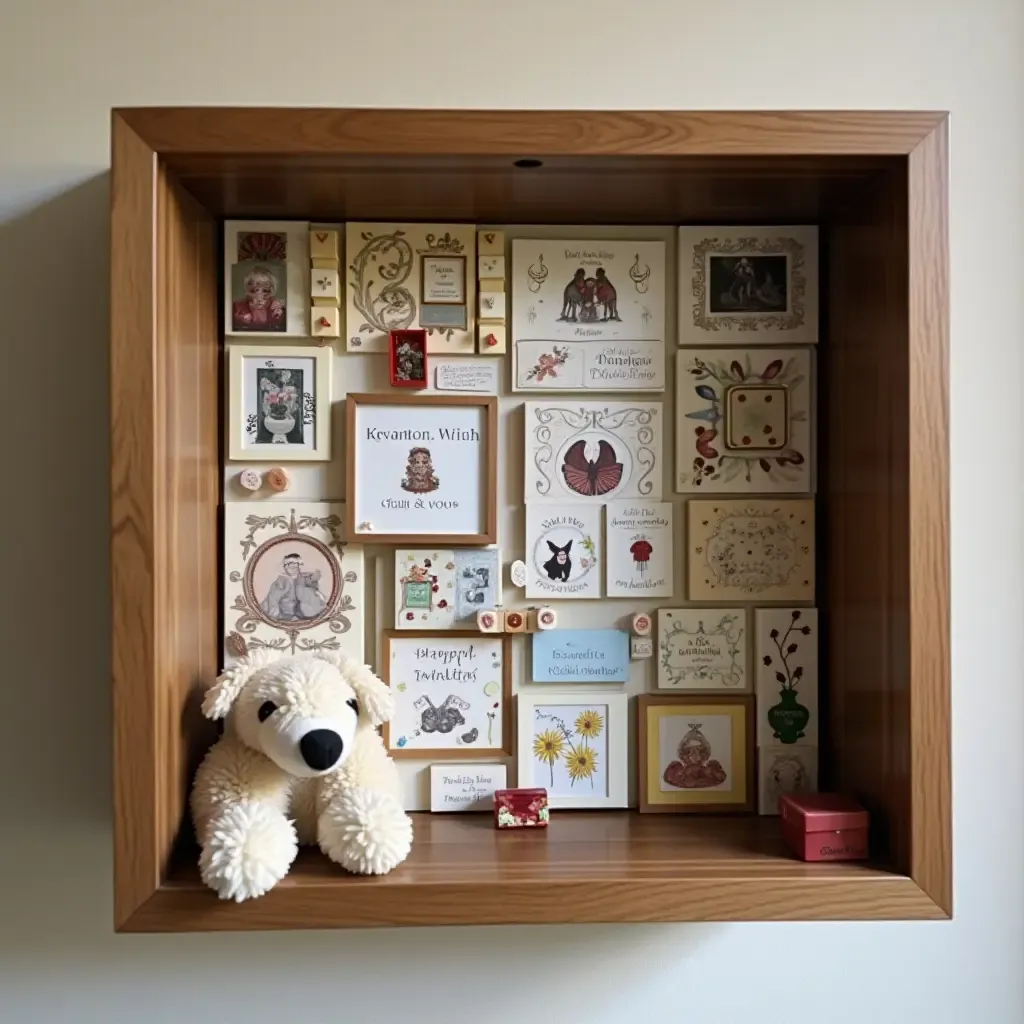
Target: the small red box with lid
(824, 826)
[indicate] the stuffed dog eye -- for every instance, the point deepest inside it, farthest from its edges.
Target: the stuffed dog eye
(353, 704)
(267, 708)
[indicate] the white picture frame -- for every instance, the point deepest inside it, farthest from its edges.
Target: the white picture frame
(563, 717)
(265, 380)
(246, 254)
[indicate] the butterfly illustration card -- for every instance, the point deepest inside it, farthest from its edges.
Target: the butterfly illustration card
(638, 549)
(563, 547)
(444, 588)
(452, 694)
(593, 451)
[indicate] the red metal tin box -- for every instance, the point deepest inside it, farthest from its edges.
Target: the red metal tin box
(824, 826)
(520, 808)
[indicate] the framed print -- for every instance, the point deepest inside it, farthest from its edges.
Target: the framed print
(638, 549)
(786, 644)
(444, 588)
(593, 451)
(588, 314)
(266, 279)
(290, 582)
(755, 286)
(696, 754)
(279, 403)
(422, 468)
(782, 770)
(407, 357)
(452, 692)
(575, 747)
(702, 649)
(743, 421)
(403, 276)
(563, 549)
(751, 550)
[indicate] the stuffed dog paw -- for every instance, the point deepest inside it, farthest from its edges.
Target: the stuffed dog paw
(300, 761)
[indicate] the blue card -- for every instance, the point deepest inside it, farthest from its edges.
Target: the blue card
(581, 656)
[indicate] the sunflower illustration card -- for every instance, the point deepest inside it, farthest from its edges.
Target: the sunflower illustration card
(575, 747)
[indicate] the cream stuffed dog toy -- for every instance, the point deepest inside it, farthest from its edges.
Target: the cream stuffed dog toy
(300, 761)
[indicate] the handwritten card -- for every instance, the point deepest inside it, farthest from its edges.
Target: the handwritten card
(465, 787)
(639, 549)
(482, 377)
(581, 656)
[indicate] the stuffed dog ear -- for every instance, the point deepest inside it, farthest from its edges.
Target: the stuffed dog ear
(219, 697)
(374, 696)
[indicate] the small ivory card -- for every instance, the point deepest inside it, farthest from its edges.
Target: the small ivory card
(638, 548)
(467, 377)
(581, 656)
(465, 787)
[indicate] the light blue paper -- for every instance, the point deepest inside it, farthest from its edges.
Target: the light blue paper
(581, 656)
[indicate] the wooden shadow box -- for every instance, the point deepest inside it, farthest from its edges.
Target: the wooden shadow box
(875, 183)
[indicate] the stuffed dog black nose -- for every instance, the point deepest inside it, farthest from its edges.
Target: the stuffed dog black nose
(321, 748)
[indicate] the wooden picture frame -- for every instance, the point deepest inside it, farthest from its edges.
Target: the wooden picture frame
(422, 477)
(469, 751)
(700, 799)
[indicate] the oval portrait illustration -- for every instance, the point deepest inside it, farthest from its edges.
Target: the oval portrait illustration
(292, 582)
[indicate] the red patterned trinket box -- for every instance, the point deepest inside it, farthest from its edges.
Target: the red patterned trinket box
(520, 808)
(824, 826)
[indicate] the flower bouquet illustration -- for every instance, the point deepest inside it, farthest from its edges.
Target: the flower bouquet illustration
(282, 405)
(789, 717)
(572, 747)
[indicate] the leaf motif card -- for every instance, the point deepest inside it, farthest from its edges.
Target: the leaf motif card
(785, 770)
(290, 582)
(638, 546)
(593, 451)
(419, 276)
(444, 588)
(743, 420)
(702, 649)
(787, 675)
(563, 551)
(751, 550)
(748, 285)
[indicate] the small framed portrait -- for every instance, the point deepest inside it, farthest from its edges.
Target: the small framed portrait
(575, 747)
(422, 469)
(266, 278)
(279, 403)
(408, 357)
(754, 285)
(452, 693)
(696, 754)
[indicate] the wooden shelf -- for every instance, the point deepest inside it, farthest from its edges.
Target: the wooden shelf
(586, 867)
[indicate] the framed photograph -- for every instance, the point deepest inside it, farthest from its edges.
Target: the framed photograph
(575, 747)
(290, 582)
(408, 359)
(452, 691)
(696, 754)
(266, 279)
(279, 403)
(702, 649)
(422, 468)
(755, 286)
(444, 588)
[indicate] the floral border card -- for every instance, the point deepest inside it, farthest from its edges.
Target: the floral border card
(592, 366)
(420, 276)
(638, 549)
(702, 649)
(563, 551)
(787, 675)
(785, 770)
(290, 582)
(444, 588)
(266, 279)
(696, 754)
(751, 550)
(743, 420)
(753, 285)
(452, 693)
(593, 451)
(575, 747)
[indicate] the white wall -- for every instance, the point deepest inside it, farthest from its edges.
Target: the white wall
(62, 66)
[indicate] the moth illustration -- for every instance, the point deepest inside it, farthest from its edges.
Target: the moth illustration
(444, 718)
(591, 476)
(559, 565)
(470, 737)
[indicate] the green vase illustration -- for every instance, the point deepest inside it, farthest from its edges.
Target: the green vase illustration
(788, 718)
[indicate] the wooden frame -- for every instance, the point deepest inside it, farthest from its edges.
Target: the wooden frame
(648, 701)
(874, 181)
(468, 753)
(489, 471)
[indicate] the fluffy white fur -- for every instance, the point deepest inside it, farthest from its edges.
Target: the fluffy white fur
(256, 797)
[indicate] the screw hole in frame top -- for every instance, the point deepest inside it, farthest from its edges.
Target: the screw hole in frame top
(528, 162)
